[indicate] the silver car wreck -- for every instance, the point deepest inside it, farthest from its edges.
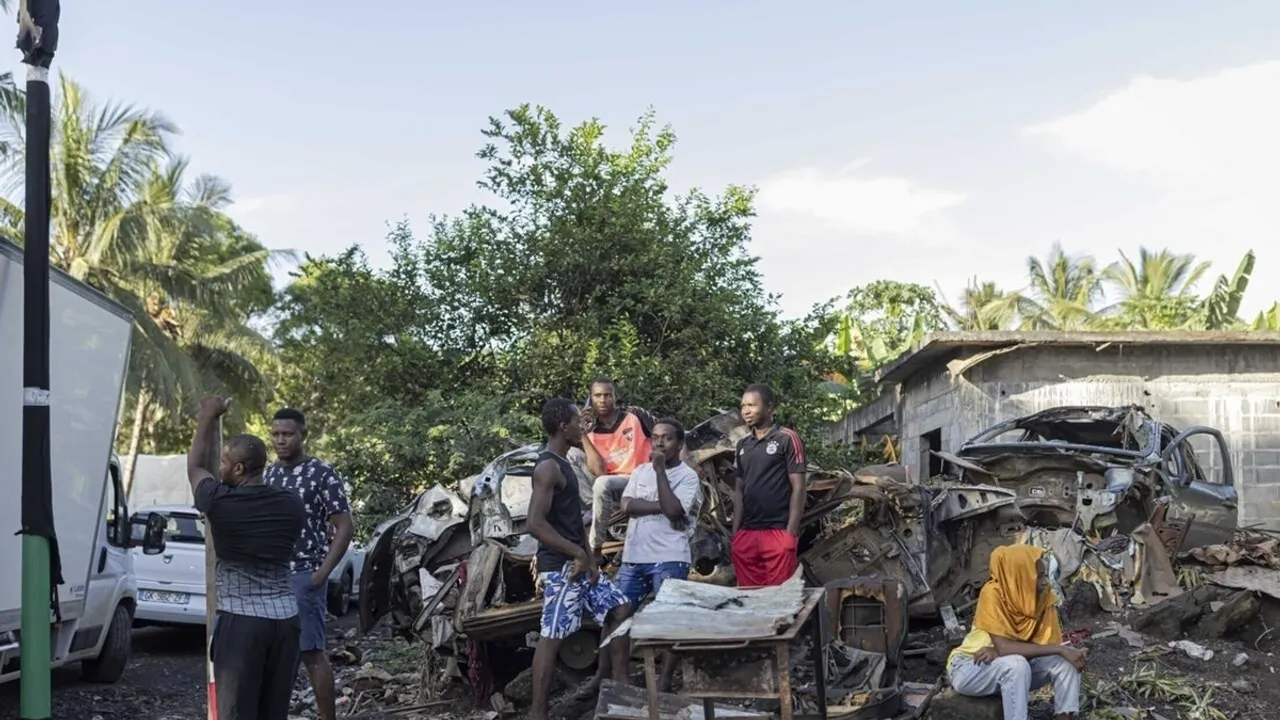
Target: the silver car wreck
(1105, 470)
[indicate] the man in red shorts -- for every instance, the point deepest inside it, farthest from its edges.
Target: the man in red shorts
(768, 494)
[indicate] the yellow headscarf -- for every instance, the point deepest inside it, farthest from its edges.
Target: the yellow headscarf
(1011, 605)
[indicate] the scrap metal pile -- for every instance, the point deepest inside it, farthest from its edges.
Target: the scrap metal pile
(1115, 495)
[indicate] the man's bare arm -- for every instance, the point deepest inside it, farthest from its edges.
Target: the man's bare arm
(798, 493)
(544, 487)
(667, 500)
(343, 529)
(202, 443)
(737, 504)
(635, 507)
(1005, 646)
(595, 463)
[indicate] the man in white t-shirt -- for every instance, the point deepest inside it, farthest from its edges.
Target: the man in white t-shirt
(662, 499)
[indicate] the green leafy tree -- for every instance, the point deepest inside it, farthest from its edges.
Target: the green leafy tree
(584, 263)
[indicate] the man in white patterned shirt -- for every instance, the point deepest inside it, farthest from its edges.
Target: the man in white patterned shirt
(325, 500)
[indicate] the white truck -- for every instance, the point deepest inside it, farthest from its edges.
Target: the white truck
(89, 339)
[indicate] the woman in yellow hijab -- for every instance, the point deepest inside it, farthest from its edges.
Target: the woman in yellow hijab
(1016, 642)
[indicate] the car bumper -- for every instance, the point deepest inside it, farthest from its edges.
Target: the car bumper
(158, 606)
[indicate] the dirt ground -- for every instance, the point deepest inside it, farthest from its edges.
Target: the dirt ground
(1156, 678)
(165, 680)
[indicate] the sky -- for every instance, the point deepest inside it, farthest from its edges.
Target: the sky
(929, 141)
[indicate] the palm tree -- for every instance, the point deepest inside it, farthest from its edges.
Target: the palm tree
(1061, 292)
(1156, 292)
(125, 221)
(984, 306)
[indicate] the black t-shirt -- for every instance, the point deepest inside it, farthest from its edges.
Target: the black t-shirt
(251, 524)
(564, 515)
(763, 466)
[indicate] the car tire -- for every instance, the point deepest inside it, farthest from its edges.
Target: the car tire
(340, 595)
(109, 666)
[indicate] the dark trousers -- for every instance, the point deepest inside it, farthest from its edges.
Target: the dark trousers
(255, 661)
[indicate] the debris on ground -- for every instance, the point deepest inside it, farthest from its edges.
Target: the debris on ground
(1176, 606)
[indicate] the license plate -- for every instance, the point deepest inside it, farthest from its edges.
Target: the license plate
(160, 596)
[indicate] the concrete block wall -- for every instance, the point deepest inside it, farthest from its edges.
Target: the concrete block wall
(1234, 389)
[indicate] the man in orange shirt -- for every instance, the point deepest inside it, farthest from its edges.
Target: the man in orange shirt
(616, 441)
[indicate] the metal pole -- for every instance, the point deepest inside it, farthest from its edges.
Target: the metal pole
(41, 568)
(212, 463)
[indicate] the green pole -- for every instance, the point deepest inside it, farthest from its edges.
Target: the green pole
(41, 566)
(36, 702)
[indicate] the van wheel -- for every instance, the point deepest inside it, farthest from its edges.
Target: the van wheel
(110, 663)
(340, 596)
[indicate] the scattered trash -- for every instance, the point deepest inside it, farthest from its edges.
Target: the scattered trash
(1198, 652)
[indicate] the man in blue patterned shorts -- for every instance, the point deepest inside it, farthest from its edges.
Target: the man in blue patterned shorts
(572, 582)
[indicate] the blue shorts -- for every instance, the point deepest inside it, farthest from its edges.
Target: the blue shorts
(565, 601)
(637, 580)
(312, 611)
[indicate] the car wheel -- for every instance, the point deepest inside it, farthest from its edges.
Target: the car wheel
(340, 597)
(111, 661)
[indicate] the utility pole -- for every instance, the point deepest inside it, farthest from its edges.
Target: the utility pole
(213, 463)
(41, 566)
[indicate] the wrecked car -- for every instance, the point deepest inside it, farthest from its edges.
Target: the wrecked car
(1105, 470)
(468, 553)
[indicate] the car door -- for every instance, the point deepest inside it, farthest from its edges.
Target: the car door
(1208, 500)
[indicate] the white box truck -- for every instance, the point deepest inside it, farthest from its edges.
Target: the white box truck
(89, 338)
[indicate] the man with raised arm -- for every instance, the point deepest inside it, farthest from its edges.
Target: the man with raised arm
(769, 493)
(255, 526)
(325, 499)
(567, 568)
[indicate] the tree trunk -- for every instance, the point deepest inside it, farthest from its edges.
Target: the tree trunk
(141, 405)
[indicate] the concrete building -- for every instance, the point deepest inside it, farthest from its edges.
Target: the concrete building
(954, 385)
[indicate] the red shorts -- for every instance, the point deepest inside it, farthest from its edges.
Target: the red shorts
(763, 557)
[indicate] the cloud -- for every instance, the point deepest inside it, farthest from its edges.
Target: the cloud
(868, 205)
(1209, 144)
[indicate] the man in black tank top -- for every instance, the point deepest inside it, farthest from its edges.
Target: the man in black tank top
(571, 579)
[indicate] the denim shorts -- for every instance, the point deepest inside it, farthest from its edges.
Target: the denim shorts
(312, 611)
(637, 580)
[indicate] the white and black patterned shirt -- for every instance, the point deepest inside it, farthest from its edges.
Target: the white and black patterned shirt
(323, 495)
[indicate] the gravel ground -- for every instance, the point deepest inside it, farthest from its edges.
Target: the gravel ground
(164, 681)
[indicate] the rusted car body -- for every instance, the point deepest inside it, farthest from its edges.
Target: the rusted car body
(1105, 470)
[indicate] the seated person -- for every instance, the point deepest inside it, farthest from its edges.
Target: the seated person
(1016, 642)
(616, 440)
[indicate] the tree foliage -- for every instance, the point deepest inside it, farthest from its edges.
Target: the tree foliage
(584, 263)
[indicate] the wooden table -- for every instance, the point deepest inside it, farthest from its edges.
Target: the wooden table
(781, 645)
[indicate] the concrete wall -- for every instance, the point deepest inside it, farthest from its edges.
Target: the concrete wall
(1233, 388)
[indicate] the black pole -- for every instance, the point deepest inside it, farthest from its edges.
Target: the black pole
(41, 567)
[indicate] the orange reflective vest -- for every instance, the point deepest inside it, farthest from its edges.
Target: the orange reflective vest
(624, 449)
